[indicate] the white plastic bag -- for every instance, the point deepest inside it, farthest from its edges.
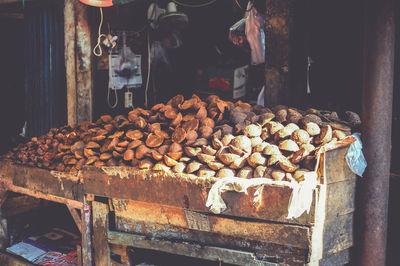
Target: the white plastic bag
(355, 158)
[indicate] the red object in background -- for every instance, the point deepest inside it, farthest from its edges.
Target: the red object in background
(219, 84)
(97, 3)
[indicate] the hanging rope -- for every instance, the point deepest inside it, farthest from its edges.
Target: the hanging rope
(97, 51)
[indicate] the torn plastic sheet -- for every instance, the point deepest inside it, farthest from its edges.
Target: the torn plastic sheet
(300, 200)
(355, 158)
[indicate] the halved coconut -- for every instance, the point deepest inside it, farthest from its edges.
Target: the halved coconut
(161, 167)
(215, 165)
(205, 172)
(252, 130)
(325, 136)
(278, 175)
(242, 142)
(226, 172)
(312, 128)
(287, 130)
(193, 167)
(255, 141)
(238, 163)
(271, 149)
(246, 172)
(259, 171)
(209, 150)
(274, 159)
(228, 158)
(205, 158)
(192, 152)
(179, 167)
(287, 166)
(288, 145)
(256, 158)
(226, 140)
(300, 136)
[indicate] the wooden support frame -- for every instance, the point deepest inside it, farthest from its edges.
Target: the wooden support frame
(78, 62)
(75, 216)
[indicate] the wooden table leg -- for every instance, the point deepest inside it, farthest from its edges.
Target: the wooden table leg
(86, 235)
(101, 248)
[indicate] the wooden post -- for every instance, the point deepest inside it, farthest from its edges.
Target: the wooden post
(70, 74)
(83, 64)
(78, 65)
(278, 32)
(101, 255)
(87, 231)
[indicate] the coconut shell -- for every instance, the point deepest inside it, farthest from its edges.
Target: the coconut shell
(188, 117)
(228, 158)
(200, 142)
(238, 163)
(205, 172)
(271, 149)
(129, 155)
(169, 161)
(325, 136)
(175, 155)
(288, 145)
(153, 140)
(123, 144)
(259, 171)
(299, 155)
(300, 136)
(243, 143)
(146, 164)
(161, 167)
(226, 140)
(339, 134)
(193, 167)
(246, 172)
(299, 174)
(134, 144)
(225, 172)
(206, 132)
(91, 160)
(207, 122)
(134, 134)
(205, 158)
(113, 144)
(191, 125)
(106, 118)
(265, 118)
(116, 154)
(281, 115)
(215, 165)
(98, 138)
(191, 151)
(92, 145)
(287, 166)
(278, 175)
(141, 151)
(105, 156)
(287, 130)
(156, 155)
(157, 107)
(171, 113)
(187, 104)
(179, 135)
(274, 127)
(78, 146)
(88, 153)
(274, 159)
(216, 143)
(179, 168)
(209, 150)
(99, 163)
(176, 101)
(177, 120)
(255, 141)
(260, 147)
(311, 118)
(256, 159)
(235, 150)
(117, 134)
(140, 122)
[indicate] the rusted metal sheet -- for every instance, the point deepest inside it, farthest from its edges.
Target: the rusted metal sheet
(378, 73)
(282, 234)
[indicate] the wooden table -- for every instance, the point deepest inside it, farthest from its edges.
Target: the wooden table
(167, 212)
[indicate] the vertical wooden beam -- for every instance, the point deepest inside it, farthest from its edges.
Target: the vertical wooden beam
(278, 49)
(87, 233)
(70, 73)
(101, 255)
(83, 64)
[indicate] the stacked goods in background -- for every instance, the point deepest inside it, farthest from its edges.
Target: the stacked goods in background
(205, 138)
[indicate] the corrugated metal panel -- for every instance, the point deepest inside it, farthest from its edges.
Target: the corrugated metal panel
(45, 67)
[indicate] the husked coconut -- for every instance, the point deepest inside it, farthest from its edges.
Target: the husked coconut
(255, 141)
(287, 130)
(205, 172)
(179, 167)
(226, 140)
(193, 167)
(260, 147)
(243, 143)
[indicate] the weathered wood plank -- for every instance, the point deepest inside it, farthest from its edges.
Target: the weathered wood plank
(20, 204)
(188, 193)
(83, 57)
(185, 249)
(70, 70)
(274, 252)
(341, 198)
(340, 258)
(283, 234)
(336, 167)
(87, 236)
(100, 227)
(338, 234)
(75, 216)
